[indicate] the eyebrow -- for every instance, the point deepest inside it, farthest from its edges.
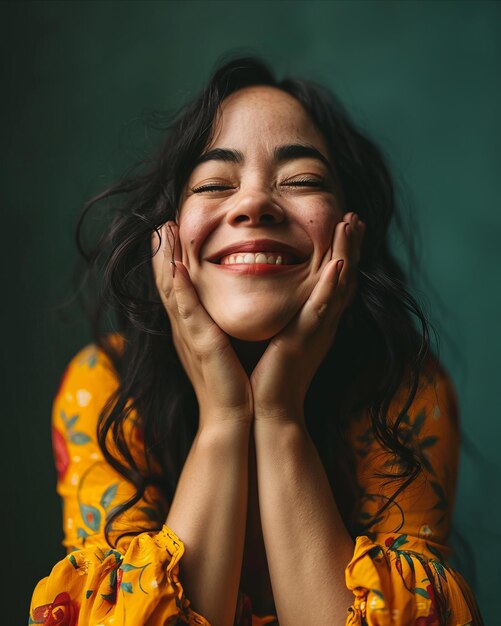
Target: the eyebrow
(281, 154)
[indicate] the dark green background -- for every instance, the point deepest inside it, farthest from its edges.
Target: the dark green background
(422, 77)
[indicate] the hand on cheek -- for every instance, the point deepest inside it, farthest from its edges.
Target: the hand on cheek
(282, 376)
(220, 383)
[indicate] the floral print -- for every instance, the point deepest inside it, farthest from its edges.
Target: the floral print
(398, 574)
(61, 612)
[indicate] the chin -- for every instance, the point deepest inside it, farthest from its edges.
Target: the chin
(257, 316)
(253, 327)
(251, 333)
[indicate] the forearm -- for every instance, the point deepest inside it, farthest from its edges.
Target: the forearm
(208, 513)
(307, 544)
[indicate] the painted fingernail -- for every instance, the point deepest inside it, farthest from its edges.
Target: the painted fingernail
(339, 266)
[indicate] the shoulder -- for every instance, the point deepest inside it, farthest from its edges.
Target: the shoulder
(91, 366)
(429, 427)
(87, 383)
(435, 400)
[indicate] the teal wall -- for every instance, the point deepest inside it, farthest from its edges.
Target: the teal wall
(76, 78)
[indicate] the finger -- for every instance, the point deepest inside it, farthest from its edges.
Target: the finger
(341, 245)
(321, 306)
(357, 236)
(189, 308)
(174, 241)
(160, 261)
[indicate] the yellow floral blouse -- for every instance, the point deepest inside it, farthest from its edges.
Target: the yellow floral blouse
(399, 572)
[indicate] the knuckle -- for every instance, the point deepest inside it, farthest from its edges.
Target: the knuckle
(320, 310)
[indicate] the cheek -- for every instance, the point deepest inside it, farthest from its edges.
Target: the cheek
(194, 228)
(320, 222)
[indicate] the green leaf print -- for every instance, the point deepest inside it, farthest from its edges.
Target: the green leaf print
(421, 592)
(108, 495)
(435, 552)
(92, 359)
(429, 441)
(73, 561)
(377, 593)
(91, 516)
(419, 421)
(398, 542)
(127, 587)
(72, 421)
(409, 560)
(127, 567)
(442, 500)
(440, 569)
(79, 439)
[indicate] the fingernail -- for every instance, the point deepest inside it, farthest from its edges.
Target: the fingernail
(339, 266)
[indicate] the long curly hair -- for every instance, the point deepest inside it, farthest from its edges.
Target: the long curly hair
(382, 343)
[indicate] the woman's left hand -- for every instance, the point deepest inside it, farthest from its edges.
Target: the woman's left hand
(283, 375)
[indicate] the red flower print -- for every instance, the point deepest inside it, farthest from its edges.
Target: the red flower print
(388, 542)
(431, 618)
(61, 612)
(61, 456)
(119, 578)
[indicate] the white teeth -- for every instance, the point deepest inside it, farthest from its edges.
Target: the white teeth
(249, 258)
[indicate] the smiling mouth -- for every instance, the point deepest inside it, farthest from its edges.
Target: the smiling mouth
(258, 258)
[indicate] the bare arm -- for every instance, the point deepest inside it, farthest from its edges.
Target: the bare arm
(209, 508)
(307, 544)
(209, 513)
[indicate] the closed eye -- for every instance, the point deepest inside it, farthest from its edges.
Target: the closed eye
(304, 183)
(211, 188)
(292, 183)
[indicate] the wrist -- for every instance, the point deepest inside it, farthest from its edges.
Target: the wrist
(282, 414)
(275, 436)
(224, 429)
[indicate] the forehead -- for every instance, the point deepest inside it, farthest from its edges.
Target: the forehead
(263, 114)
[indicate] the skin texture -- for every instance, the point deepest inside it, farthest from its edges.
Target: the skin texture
(256, 396)
(260, 201)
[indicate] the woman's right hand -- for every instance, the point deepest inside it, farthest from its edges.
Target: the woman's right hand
(221, 385)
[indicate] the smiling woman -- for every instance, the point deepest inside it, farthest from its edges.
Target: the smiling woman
(265, 437)
(257, 216)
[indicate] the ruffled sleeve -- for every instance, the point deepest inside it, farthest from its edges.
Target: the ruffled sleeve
(399, 572)
(137, 581)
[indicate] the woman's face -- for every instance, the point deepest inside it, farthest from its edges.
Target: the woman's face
(258, 213)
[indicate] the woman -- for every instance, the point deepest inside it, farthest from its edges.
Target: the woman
(267, 438)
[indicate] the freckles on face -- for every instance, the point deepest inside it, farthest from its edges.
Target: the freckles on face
(193, 231)
(256, 197)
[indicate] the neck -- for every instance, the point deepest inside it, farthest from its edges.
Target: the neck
(249, 352)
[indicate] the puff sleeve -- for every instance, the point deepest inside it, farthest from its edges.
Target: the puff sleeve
(137, 582)
(399, 572)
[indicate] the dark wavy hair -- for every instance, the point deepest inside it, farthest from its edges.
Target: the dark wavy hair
(382, 343)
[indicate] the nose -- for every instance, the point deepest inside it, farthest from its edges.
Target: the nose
(255, 208)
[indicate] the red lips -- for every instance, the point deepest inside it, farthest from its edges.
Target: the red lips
(260, 245)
